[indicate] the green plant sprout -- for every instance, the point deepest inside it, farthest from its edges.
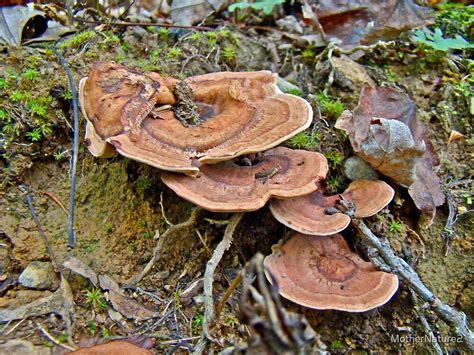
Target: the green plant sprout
(34, 135)
(437, 41)
(173, 53)
(195, 36)
(333, 183)
(95, 299)
(3, 84)
(266, 6)
(31, 75)
(16, 96)
(395, 226)
(228, 54)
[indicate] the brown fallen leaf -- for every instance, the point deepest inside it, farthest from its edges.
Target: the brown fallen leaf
(350, 23)
(116, 347)
(385, 132)
(123, 304)
(81, 268)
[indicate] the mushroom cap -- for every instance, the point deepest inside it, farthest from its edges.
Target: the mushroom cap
(228, 187)
(96, 145)
(241, 113)
(306, 214)
(322, 272)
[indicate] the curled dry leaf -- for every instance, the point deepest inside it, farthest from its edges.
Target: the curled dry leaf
(385, 132)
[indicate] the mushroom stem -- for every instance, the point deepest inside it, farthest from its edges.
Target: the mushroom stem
(455, 319)
(211, 266)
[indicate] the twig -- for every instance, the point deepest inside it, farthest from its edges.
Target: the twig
(159, 245)
(53, 339)
(425, 324)
(163, 214)
(56, 200)
(30, 206)
(234, 284)
(455, 319)
(150, 24)
(75, 149)
(211, 266)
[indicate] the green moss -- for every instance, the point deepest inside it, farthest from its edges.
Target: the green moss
(77, 39)
(329, 107)
(304, 140)
(334, 158)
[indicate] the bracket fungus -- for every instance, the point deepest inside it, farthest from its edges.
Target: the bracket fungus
(228, 187)
(309, 213)
(323, 273)
(240, 113)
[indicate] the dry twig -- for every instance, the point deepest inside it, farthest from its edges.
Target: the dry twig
(455, 319)
(209, 279)
(159, 245)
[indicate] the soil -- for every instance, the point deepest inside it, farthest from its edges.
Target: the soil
(119, 216)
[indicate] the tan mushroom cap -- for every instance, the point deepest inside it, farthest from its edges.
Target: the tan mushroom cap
(321, 272)
(306, 214)
(228, 187)
(241, 113)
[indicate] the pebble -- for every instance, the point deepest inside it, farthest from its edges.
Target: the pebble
(39, 275)
(356, 168)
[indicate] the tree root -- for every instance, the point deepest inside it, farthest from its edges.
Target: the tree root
(455, 319)
(209, 279)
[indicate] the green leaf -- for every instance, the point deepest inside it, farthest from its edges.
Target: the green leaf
(438, 42)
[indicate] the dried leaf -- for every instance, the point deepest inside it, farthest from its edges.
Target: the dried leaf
(350, 23)
(123, 304)
(384, 131)
(14, 20)
(82, 269)
(23, 24)
(188, 12)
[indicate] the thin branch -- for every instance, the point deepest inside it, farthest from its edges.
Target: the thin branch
(53, 339)
(75, 149)
(29, 204)
(455, 319)
(211, 267)
(425, 324)
(150, 24)
(159, 245)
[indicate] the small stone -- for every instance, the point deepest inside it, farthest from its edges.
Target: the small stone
(39, 275)
(350, 74)
(356, 168)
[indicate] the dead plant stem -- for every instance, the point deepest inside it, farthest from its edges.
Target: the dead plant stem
(455, 319)
(211, 267)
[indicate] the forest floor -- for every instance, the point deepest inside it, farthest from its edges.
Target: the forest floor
(122, 204)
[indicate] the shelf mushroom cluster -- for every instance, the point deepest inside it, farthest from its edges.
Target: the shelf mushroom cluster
(228, 163)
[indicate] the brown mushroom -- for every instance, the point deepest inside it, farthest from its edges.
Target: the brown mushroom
(229, 187)
(322, 272)
(240, 113)
(308, 214)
